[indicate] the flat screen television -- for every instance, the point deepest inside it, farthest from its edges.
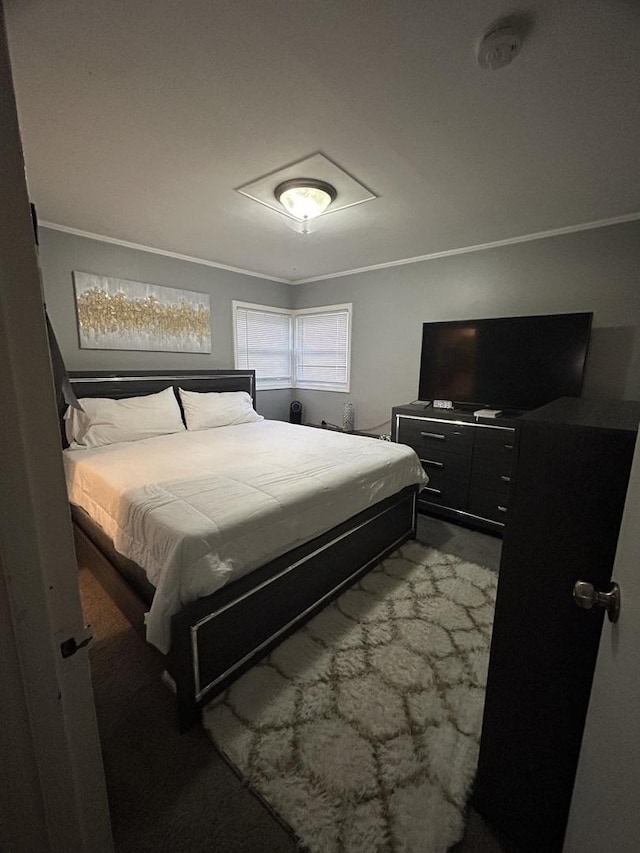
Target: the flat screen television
(513, 363)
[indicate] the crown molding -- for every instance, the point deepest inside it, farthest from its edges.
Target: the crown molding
(54, 226)
(463, 250)
(480, 247)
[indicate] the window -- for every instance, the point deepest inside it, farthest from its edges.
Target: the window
(263, 341)
(322, 348)
(309, 348)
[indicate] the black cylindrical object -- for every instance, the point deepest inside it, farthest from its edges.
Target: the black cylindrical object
(295, 412)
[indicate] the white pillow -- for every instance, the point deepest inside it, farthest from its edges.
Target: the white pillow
(106, 421)
(216, 409)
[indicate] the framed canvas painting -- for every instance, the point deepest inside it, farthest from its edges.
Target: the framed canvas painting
(113, 313)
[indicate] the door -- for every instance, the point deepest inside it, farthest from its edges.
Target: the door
(604, 809)
(565, 512)
(51, 775)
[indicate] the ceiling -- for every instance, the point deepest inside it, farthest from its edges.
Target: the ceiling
(139, 119)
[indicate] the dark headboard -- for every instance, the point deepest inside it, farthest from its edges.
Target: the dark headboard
(136, 383)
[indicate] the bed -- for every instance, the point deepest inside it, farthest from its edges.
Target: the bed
(265, 540)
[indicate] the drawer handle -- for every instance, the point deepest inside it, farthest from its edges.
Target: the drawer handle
(437, 435)
(432, 463)
(505, 479)
(508, 447)
(433, 491)
(501, 508)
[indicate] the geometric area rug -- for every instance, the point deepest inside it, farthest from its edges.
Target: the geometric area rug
(361, 730)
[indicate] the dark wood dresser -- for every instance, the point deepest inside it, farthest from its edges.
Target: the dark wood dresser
(566, 503)
(469, 462)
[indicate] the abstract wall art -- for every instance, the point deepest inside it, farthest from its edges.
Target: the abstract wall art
(130, 315)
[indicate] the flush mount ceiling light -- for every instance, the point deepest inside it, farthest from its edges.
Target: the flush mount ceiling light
(305, 198)
(330, 190)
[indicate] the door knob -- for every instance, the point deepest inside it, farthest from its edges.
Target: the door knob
(585, 595)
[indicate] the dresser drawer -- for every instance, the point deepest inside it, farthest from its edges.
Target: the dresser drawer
(425, 435)
(446, 493)
(441, 468)
(488, 504)
(495, 442)
(491, 474)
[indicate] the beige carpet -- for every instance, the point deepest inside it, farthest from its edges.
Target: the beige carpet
(361, 730)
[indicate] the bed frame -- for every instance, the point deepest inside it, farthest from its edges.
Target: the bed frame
(216, 638)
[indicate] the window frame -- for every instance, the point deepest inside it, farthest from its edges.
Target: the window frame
(261, 383)
(339, 388)
(271, 384)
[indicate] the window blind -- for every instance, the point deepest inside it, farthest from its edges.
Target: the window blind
(322, 349)
(263, 341)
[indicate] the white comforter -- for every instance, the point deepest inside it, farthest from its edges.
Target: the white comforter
(199, 509)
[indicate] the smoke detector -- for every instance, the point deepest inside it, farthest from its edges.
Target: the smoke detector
(499, 47)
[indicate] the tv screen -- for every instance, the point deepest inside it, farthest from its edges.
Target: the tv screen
(505, 363)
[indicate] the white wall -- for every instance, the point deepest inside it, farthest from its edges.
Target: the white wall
(596, 270)
(61, 253)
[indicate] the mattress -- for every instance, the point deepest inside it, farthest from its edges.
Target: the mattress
(198, 510)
